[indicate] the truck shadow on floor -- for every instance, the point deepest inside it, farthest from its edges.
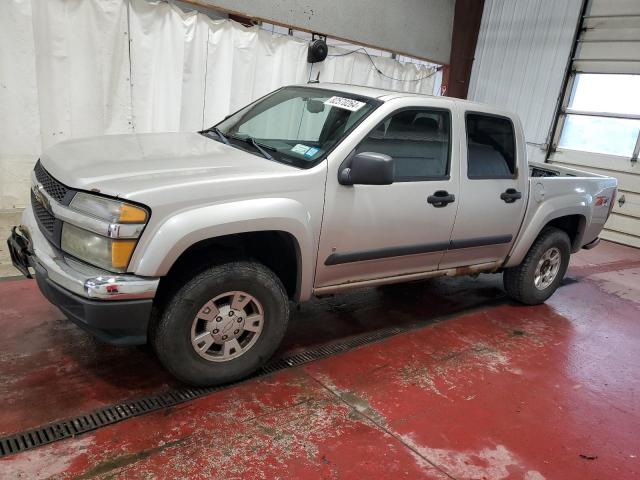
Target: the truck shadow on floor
(360, 311)
(66, 371)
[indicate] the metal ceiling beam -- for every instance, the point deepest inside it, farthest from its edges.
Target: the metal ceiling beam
(466, 27)
(416, 28)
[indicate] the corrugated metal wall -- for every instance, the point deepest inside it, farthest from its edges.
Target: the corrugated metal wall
(522, 52)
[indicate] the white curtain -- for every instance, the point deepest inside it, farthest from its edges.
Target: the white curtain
(75, 68)
(19, 111)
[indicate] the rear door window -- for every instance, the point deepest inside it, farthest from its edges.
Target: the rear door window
(491, 147)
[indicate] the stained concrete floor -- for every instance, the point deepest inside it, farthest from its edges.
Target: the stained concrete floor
(485, 389)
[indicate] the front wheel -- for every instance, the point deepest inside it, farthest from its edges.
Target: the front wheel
(542, 270)
(223, 324)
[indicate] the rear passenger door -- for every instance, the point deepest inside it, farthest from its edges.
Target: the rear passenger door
(492, 190)
(376, 231)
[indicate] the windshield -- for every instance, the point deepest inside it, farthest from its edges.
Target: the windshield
(295, 125)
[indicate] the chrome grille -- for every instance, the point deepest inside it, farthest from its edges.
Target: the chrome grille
(53, 187)
(45, 219)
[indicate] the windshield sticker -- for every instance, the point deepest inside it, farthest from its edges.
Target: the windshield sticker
(311, 152)
(346, 103)
(300, 148)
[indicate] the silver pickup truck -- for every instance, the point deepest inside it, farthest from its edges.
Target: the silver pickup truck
(198, 242)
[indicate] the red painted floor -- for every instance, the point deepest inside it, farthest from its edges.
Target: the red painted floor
(47, 360)
(487, 389)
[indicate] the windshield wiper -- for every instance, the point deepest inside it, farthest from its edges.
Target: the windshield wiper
(218, 132)
(264, 153)
(258, 146)
(224, 139)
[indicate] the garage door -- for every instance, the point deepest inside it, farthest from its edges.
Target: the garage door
(598, 127)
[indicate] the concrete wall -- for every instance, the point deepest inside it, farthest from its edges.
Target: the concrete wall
(418, 28)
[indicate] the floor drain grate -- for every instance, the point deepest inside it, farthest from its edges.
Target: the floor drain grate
(111, 414)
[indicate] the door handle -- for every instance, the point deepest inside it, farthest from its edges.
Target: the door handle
(441, 198)
(511, 195)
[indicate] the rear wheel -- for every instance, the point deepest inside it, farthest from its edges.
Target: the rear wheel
(223, 324)
(542, 270)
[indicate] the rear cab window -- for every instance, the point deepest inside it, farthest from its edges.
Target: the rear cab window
(491, 146)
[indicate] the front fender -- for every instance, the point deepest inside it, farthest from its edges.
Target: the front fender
(162, 246)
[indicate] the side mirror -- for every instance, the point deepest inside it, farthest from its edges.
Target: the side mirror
(368, 168)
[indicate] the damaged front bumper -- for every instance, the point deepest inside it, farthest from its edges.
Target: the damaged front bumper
(116, 308)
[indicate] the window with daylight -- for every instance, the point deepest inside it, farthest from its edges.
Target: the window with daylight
(603, 115)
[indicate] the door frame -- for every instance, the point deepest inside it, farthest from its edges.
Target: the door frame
(397, 103)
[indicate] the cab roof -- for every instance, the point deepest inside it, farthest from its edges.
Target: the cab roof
(371, 92)
(387, 94)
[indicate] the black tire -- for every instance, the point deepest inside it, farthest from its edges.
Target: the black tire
(171, 334)
(519, 282)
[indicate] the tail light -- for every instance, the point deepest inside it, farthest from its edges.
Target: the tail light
(603, 200)
(613, 201)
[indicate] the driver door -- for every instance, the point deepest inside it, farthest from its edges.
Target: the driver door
(375, 231)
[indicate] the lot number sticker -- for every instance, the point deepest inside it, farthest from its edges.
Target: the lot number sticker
(346, 103)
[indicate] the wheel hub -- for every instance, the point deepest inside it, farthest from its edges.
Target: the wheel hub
(547, 268)
(227, 326)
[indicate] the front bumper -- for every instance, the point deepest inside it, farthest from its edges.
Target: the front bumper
(115, 308)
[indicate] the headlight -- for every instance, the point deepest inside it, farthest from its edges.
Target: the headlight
(97, 250)
(112, 211)
(98, 239)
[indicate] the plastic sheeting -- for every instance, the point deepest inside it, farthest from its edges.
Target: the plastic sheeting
(74, 68)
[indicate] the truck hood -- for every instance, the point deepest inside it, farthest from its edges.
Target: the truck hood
(123, 165)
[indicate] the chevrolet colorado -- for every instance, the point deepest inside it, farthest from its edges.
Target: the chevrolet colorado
(198, 242)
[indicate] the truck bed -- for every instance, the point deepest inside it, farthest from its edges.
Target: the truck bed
(538, 169)
(557, 191)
